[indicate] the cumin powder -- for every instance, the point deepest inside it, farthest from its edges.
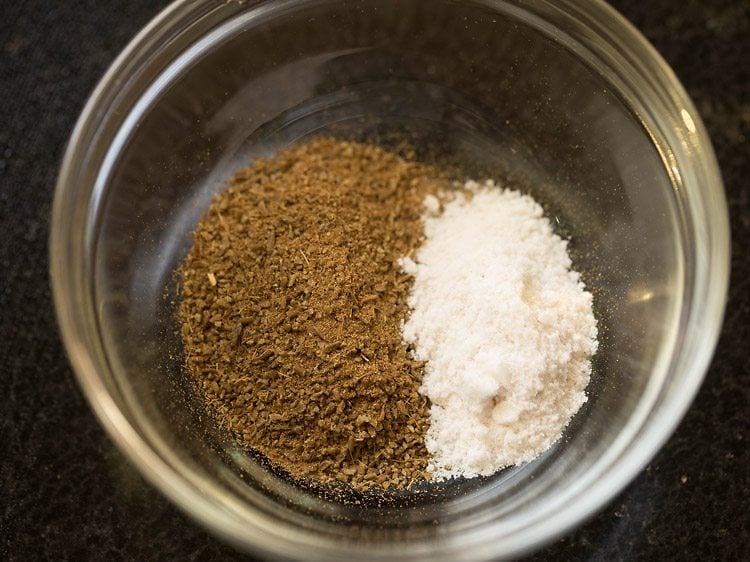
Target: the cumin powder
(290, 312)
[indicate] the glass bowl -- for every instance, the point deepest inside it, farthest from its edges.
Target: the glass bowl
(563, 100)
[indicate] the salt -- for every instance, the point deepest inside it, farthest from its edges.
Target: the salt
(505, 327)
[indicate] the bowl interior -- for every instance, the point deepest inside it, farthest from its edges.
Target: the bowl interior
(486, 85)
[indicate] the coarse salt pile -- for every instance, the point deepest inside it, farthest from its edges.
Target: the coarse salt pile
(505, 327)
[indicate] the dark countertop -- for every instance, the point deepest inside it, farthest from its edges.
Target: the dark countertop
(67, 493)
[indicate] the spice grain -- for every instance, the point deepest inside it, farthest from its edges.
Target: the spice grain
(291, 306)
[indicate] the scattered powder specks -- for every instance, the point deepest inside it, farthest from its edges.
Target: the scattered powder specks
(505, 327)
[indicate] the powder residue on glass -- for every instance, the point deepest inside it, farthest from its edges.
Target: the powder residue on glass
(356, 319)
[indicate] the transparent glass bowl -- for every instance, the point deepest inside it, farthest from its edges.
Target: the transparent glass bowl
(563, 100)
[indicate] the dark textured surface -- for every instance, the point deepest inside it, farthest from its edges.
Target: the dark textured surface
(67, 493)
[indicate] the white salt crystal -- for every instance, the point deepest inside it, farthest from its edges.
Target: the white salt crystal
(505, 327)
(431, 205)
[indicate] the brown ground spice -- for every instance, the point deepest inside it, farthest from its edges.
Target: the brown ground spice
(291, 308)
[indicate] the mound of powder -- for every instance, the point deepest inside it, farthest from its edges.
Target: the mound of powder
(504, 326)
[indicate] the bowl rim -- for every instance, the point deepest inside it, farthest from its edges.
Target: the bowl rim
(185, 493)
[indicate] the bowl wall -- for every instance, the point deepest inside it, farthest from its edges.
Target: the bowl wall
(539, 97)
